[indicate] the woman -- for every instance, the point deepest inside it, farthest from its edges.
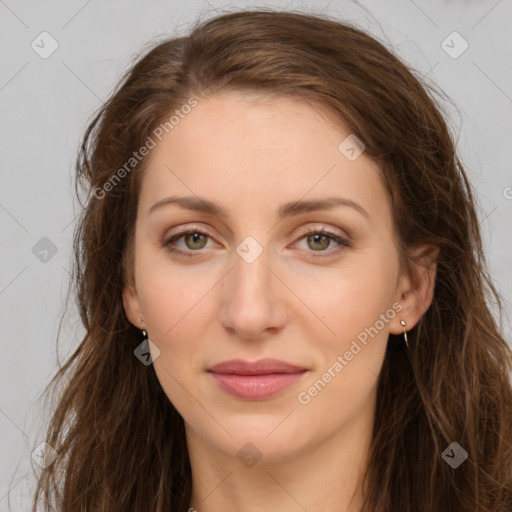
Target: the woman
(281, 278)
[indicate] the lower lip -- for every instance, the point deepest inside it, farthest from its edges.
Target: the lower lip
(256, 387)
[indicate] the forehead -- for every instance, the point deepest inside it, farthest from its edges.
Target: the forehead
(251, 148)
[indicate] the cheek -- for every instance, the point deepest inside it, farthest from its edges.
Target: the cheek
(351, 297)
(168, 291)
(173, 305)
(171, 299)
(357, 310)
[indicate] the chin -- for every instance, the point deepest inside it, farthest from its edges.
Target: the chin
(269, 439)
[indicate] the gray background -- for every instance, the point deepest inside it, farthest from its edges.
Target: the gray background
(45, 104)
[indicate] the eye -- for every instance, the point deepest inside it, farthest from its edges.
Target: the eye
(316, 239)
(320, 239)
(195, 239)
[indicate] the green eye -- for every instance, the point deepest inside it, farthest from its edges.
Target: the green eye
(317, 238)
(193, 240)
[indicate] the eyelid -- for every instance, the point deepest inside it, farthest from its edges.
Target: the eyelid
(187, 228)
(322, 227)
(304, 230)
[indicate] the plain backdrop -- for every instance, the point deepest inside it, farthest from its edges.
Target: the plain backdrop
(46, 99)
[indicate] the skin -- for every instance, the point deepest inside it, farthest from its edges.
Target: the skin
(250, 154)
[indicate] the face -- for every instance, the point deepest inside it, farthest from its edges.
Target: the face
(264, 276)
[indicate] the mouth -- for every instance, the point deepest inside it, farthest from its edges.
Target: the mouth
(257, 380)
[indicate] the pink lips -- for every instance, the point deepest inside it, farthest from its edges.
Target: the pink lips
(255, 381)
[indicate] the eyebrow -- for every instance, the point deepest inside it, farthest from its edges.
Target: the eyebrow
(199, 204)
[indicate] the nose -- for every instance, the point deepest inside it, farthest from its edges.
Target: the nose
(253, 301)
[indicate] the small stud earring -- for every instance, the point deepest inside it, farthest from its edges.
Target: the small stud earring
(403, 323)
(144, 332)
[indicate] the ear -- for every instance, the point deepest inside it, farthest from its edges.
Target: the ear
(132, 305)
(416, 287)
(131, 302)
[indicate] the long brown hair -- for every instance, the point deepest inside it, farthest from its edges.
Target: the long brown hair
(121, 443)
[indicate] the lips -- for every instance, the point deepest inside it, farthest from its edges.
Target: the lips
(256, 380)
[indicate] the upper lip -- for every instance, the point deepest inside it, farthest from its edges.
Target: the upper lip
(261, 367)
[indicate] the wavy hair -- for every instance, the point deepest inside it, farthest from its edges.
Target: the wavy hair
(121, 443)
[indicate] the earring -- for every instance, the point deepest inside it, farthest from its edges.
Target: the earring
(403, 323)
(144, 332)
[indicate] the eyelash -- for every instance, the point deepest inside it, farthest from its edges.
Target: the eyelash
(343, 243)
